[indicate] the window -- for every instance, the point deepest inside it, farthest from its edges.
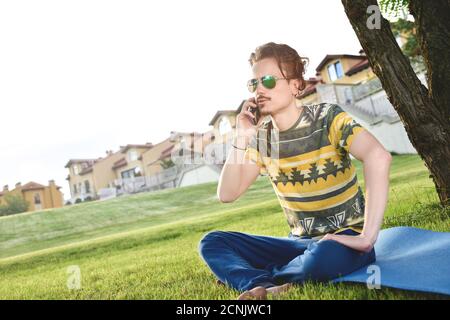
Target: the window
(125, 174)
(132, 155)
(75, 191)
(37, 198)
(87, 186)
(339, 70)
(224, 125)
(183, 144)
(135, 172)
(76, 170)
(335, 71)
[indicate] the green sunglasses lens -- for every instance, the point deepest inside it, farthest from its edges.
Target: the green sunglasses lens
(252, 84)
(269, 82)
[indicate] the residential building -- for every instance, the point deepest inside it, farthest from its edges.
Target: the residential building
(130, 164)
(38, 196)
(81, 179)
(88, 177)
(136, 168)
(155, 159)
(192, 159)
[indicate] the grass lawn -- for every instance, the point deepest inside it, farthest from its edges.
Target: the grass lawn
(144, 246)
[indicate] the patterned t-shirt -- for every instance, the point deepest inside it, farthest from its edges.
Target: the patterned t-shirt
(310, 169)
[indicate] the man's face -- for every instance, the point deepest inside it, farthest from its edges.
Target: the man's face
(271, 101)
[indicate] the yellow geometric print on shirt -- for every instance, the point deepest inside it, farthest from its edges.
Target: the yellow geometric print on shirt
(313, 176)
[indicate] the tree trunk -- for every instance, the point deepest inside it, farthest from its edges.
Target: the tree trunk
(432, 19)
(424, 113)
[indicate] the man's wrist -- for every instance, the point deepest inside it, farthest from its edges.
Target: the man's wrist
(240, 142)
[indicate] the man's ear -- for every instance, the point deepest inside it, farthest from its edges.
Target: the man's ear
(302, 84)
(297, 85)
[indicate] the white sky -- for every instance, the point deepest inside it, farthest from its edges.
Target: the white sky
(78, 78)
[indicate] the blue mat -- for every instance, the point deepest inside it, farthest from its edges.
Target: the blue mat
(409, 258)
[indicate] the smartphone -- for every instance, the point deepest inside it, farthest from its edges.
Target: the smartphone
(257, 114)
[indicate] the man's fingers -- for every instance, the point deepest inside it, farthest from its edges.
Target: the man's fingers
(248, 113)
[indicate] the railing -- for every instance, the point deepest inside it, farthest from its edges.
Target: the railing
(335, 93)
(363, 90)
(107, 193)
(346, 94)
(167, 178)
(367, 101)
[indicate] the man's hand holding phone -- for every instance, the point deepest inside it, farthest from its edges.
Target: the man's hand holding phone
(246, 122)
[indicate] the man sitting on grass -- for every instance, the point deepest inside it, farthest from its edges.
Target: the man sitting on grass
(305, 151)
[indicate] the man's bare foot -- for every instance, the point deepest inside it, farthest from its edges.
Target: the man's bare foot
(219, 283)
(257, 293)
(260, 293)
(274, 291)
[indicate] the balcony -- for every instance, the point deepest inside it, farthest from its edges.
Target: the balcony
(167, 178)
(367, 101)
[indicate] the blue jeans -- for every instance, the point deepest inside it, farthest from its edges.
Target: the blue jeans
(244, 261)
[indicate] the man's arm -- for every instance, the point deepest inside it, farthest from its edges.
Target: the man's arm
(237, 174)
(376, 163)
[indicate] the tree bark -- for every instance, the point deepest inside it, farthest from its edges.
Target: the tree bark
(423, 113)
(432, 20)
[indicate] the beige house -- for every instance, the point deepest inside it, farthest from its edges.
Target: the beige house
(344, 69)
(184, 147)
(81, 178)
(153, 158)
(130, 165)
(191, 154)
(37, 195)
(88, 176)
(164, 164)
(224, 123)
(140, 167)
(341, 70)
(103, 174)
(133, 167)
